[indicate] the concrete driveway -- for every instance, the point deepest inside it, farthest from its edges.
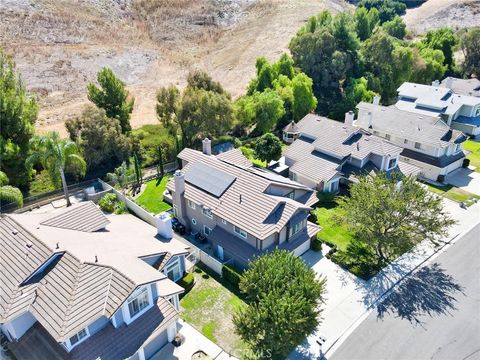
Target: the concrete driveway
(465, 179)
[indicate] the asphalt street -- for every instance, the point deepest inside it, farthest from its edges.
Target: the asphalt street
(432, 314)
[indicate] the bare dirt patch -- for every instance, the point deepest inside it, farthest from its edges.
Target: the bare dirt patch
(60, 45)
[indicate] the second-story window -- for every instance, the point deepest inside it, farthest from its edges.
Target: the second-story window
(191, 204)
(392, 163)
(78, 337)
(387, 136)
(240, 232)
(296, 228)
(138, 303)
(418, 145)
(207, 212)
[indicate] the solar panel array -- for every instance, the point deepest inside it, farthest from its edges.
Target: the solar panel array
(209, 179)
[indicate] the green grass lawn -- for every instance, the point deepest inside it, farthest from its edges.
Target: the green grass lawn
(453, 193)
(332, 231)
(209, 307)
(249, 153)
(152, 197)
(474, 156)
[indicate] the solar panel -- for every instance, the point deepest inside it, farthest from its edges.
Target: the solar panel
(209, 179)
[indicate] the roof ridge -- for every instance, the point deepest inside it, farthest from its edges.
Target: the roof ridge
(72, 297)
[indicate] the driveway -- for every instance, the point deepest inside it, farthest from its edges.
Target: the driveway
(465, 179)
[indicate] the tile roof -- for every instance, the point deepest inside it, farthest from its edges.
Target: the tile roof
(245, 203)
(462, 86)
(404, 124)
(439, 162)
(235, 157)
(291, 128)
(85, 216)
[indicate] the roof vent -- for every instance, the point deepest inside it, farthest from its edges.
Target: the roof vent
(96, 258)
(240, 198)
(14, 231)
(358, 146)
(29, 245)
(57, 246)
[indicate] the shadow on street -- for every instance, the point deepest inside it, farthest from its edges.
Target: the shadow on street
(430, 291)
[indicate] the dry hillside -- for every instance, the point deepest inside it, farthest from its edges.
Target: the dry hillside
(59, 45)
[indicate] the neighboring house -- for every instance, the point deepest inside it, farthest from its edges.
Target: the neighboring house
(427, 141)
(241, 210)
(77, 284)
(328, 152)
(470, 87)
(290, 132)
(460, 112)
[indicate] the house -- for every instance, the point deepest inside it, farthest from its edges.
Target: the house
(470, 87)
(77, 284)
(328, 153)
(242, 211)
(427, 141)
(460, 112)
(290, 132)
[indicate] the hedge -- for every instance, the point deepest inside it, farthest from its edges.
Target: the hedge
(466, 163)
(316, 245)
(231, 274)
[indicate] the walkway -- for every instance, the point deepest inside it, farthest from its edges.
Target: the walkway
(465, 179)
(350, 299)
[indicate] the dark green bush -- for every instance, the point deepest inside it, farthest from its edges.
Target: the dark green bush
(326, 197)
(316, 245)
(466, 163)
(441, 178)
(110, 204)
(187, 282)
(231, 274)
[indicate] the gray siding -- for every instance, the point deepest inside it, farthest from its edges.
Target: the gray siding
(154, 291)
(119, 317)
(156, 344)
(97, 325)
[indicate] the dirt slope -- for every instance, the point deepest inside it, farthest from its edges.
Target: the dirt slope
(59, 45)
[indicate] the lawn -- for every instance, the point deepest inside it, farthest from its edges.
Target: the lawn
(209, 307)
(152, 197)
(453, 193)
(474, 156)
(332, 231)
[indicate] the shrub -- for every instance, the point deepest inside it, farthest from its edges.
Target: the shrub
(441, 178)
(187, 282)
(466, 163)
(326, 197)
(110, 204)
(231, 274)
(316, 245)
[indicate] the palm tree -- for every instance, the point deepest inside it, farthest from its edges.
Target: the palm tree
(121, 177)
(55, 154)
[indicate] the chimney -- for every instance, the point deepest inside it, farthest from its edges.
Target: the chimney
(436, 83)
(207, 146)
(178, 197)
(376, 100)
(179, 182)
(349, 118)
(164, 226)
(449, 82)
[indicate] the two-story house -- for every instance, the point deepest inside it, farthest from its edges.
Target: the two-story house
(460, 112)
(76, 284)
(427, 141)
(241, 210)
(470, 87)
(328, 152)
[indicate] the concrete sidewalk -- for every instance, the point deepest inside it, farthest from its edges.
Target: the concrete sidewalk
(350, 299)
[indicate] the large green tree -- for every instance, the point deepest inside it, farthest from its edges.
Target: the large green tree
(268, 148)
(113, 97)
(268, 110)
(8, 193)
(470, 44)
(284, 300)
(303, 99)
(428, 65)
(18, 113)
(443, 39)
(56, 155)
(395, 27)
(99, 137)
(391, 219)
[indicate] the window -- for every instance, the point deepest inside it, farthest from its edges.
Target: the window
(418, 145)
(291, 195)
(240, 232)
(224, 221)
(294, 176)
(392, 163)
(175, 210)
(295, 228)
(405, 141)
(387, 136)
(206, 230)
(78, 337)
(138, 303)
(207, 212)
(194, 222)
(458, 147)
(173, 271)
(191, 204)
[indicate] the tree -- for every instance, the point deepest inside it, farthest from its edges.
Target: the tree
(268, 148)
(283, 304)
(443, 39)
(303, 99)
(167, 105)
(268, 110)
(284, 66)
(387, 9)
(428, 66)
(8, 193)
(18, 113)
(112, 97)
(390, 219)
(55, 155)
(470, 44)
(99, 137)
(395, 27)
(199, 79)
(362, 23)
(355, 92)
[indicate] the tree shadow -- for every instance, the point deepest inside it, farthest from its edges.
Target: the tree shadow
(429, 291)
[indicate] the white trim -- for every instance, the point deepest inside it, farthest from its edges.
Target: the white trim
(240, 232)
(68, 343)
(206, 211)
(224, 221)
(126, 310)
(191, 204)
(170, 265)
(209, 230)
